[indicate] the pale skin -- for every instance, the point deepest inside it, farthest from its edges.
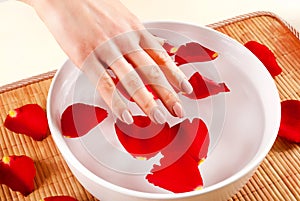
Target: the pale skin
(81, 27)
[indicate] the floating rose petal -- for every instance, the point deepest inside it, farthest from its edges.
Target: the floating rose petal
(181, 176)
(266, 56)
(194, 52)
(59, 198)
(178, 170)
(170, 48)
(18, 172)
(290, 120)
(30, 120)
(183, 146)
(78, 119)
(204, 87)
(192, 138)
(143, 138)
(197, 133)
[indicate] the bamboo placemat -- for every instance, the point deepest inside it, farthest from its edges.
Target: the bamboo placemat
(277, 178)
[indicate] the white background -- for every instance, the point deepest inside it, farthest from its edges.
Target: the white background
(27, 48)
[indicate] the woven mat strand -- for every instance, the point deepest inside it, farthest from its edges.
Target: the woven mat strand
(277, 178)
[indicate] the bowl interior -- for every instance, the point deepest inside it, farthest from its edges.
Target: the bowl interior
(243, 123)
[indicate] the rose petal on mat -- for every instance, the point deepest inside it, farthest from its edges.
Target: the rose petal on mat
(181, 176)
(194, 52)
(79, 118)
(144, 139)
(265, 55)
(18, 172)
(178, 170)
(290, 120)
(204, 87)
(59, 198)
(30, 120)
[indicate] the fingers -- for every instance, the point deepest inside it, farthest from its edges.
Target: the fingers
(135, 87)
(140, 60)
(106, 88)
(175, 76)
(152, 45)
(154, 77)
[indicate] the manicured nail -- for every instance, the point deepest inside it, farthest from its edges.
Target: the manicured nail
(160, 40)
(178, 110)
(126, 117)
(157, 115)
(186, 86)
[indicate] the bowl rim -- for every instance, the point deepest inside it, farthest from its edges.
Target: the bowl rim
(248, 168)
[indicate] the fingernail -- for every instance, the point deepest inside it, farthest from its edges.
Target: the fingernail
(157, 115)
(186, 86)
(160, 40)
(178, 110)
(126, 117)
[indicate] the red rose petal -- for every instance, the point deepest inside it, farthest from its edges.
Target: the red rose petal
(78, 119)
(59, 198)
(181, 176)
(290, 120)
(144, 138)
(204, 87)
(193, 52)
(266, 56)
(30, 120)
(200, 141)
(178, 171)
(192, 138)
(170, 49)
(18, 172)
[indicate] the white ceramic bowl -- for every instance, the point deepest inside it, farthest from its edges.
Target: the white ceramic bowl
(243, 124)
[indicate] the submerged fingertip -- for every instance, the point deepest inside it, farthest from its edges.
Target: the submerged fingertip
(178, 110)
(126, 117)
(186, 86)
(157, 115)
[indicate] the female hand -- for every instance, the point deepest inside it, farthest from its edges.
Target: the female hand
(101, 34)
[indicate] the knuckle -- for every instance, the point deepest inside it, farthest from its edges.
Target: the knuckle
(80, 53)
(163, 57)
(154, 73)
(106, 83)
(117, 103)
(148, 104)
(132, 83)
(170, 97)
